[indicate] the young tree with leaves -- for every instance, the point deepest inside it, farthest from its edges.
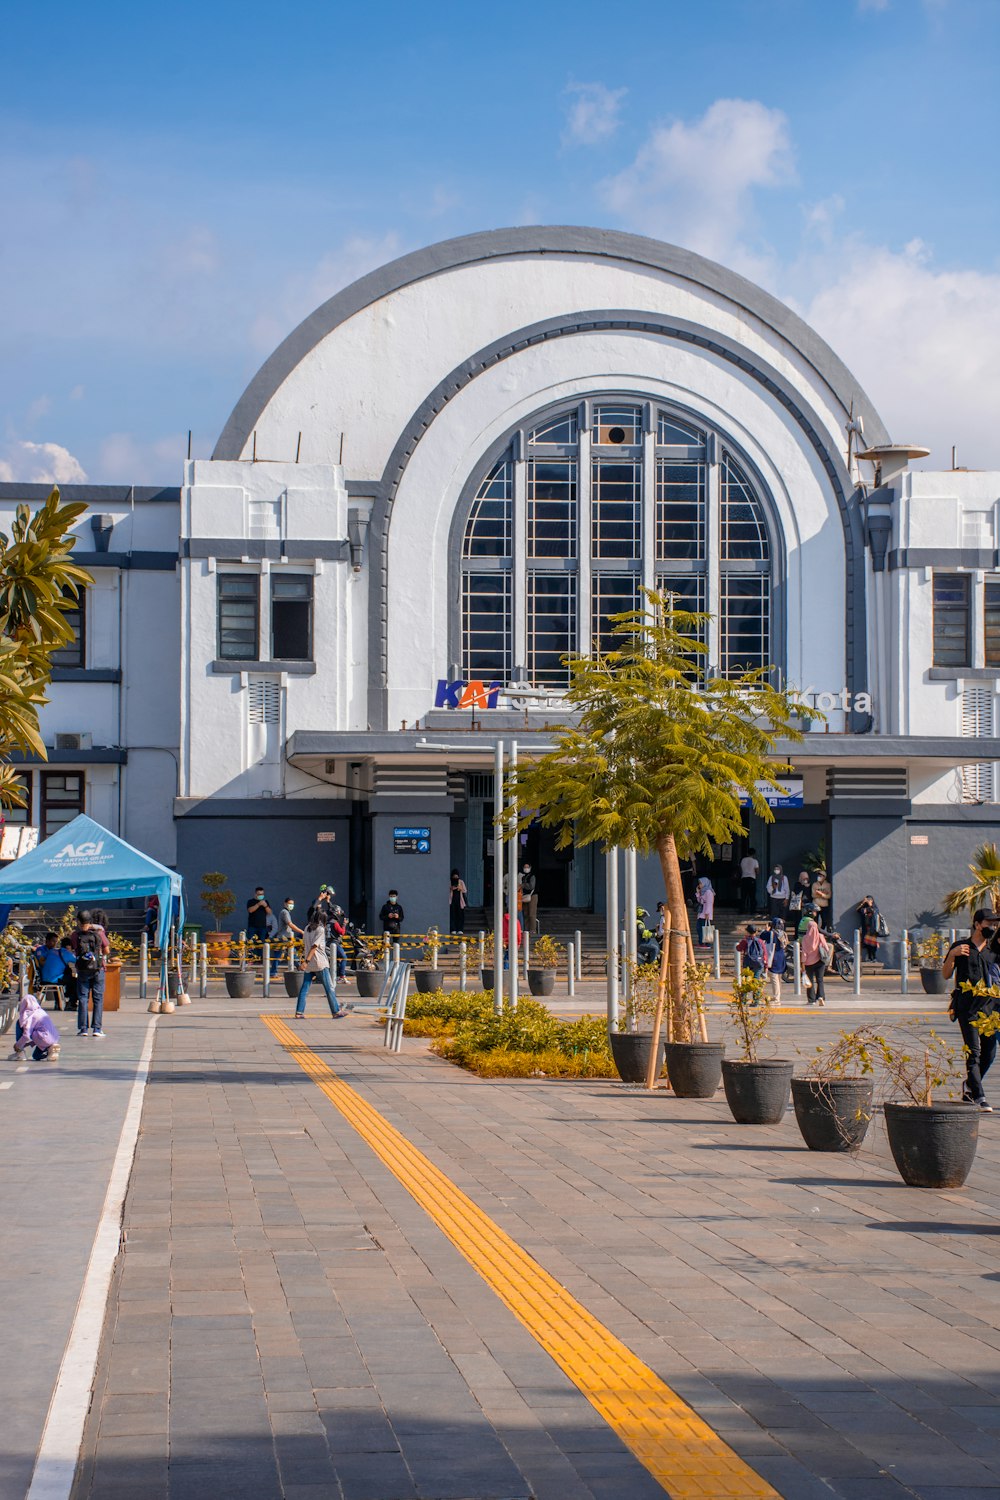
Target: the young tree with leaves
(984, 890)
(660, 757)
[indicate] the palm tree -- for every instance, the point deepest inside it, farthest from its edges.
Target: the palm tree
(985, 888)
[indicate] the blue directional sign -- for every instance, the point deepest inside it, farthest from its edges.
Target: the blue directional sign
(411, 841)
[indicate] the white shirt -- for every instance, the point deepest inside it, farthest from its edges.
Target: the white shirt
(316, 939)
(749, 867)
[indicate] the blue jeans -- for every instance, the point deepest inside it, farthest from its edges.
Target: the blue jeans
(89, 986)
(323, 975)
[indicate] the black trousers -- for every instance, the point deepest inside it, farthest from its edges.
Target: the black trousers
(982, 1051)
(748, 891)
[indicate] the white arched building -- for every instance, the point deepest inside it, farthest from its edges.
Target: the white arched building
(457, 469)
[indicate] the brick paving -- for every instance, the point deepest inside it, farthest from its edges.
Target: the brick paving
(287, 1323)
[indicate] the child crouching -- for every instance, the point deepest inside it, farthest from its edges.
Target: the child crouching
(35, 1029)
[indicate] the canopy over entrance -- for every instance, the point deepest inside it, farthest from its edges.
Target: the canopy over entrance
(87, 864)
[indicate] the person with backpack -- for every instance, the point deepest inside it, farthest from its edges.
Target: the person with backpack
(774, 940)
(816, 955)
(89, 946)
(971, 962)
(753, 952)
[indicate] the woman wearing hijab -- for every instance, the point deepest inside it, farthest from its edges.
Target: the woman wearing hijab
(777, 893)
(704, 896)
(37, 1030)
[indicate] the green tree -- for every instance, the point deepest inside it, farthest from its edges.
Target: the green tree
(659, 757)
(985, 888)
(39, 583)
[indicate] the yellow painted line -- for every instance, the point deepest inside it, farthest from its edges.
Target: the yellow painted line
(666, 1435)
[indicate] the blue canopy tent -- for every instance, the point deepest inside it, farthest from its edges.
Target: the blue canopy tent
(88, 865)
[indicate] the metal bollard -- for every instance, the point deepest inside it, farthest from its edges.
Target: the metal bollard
(578, 950)
(904, 963)
(266, 975)
(143, 965)
(463, 964)
(738, 962)
(203, 985)
(482, 949)
(717, 954)
(395, 953)
(857, 960)
(386, 957)
(193, 978)
(951, 936)
(526, 943)
(797, 968)
(570, 970)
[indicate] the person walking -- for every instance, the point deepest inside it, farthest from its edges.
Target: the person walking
(775, 940)
(777, 893)
(821, 896)
(518, 935)
(969, 962)
(529, 899)
(89, 946)
(752, 950)
(316, 963)
(392, 916)
(815, 956)
(749, 871)
(871, 924)
(457, 901)
(704, 896)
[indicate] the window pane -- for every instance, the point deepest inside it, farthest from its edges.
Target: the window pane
(680, 510)
(552, 508)
(291, 630)
(238, 616)
(291, 586)
(487, 533)
(486, 626)
(670, 431)
(992, 624)
(62, 800)
(74, 654)
(744, 530)
(615, 424)
(952, 643)
(20, 815)
(551, 626)
(613, 594)
(744, 623)
(561, 429)
(616, 509)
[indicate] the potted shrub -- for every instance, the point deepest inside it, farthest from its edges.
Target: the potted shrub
(631, 1048)
(833, 1101)
(930, 956)
(756, 1087)
(368, 973)
(543, 961)
(695, 1068)
(240, 981)
(219, 902)
(486, 974)
(431, 979)
(933, 1141)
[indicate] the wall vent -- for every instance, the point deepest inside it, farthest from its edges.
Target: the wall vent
(867, 782)
(979, 780)
(264, 700)
(480, 786)
(411, 781)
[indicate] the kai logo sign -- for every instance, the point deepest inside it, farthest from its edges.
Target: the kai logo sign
(87, 850)
(463, 694)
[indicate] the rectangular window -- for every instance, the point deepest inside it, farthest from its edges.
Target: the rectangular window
(991, 623)
(238, 602)
(952, 636)
(551, 508)
(291, 616)
(613, 594)
(75, 653)
(616, 509)
(20, 815)
(62, 799)
(551, 626)
(680, 510)
(486, 634)
(744, 633)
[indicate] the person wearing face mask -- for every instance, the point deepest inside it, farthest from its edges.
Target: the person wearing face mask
(287, 931)
(969, 962)
(777, 893)
(529, 899)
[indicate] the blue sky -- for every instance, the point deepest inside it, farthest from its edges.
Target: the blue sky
(181, 185)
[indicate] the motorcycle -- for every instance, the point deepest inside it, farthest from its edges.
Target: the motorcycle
(842, 961)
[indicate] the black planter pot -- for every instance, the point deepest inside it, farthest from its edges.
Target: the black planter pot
(428, 980)
(369, 983)
(541, 981)
(630, 1050)
(173, 985)
(293, 982)
(933, 981)
(486, 978)
(933, 1145)
(694, 1068)
(757, 1092)
(240, 983)
(835, 1115)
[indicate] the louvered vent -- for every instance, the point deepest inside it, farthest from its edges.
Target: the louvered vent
(480, 786)
(411, 781)
(456, 785)
(978, 781)
(861, 782)
(263, 700)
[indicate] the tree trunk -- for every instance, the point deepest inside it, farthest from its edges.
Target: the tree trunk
(666, 848)
(652, 1071)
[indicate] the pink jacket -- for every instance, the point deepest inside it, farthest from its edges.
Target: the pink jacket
(810, 944)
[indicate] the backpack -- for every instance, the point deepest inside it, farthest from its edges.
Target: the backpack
(88, 956)
(755, 953)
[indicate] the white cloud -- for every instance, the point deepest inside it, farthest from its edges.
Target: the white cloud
(820, 218)
(125, 459)
(693, 184)
(77, 393)
(40, 407)
(40, 463)
(593, 116)
(923, 343)
(872, 5)
(302, 294)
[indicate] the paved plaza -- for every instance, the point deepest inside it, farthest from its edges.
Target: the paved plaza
(345, 1273)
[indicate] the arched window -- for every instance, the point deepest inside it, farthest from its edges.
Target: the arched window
(588, 506)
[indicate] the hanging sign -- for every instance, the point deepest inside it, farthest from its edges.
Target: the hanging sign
(791, 797)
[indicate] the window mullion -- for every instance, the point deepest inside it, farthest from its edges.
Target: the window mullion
(648, 573)
(713, 554)
(584, 545)
(518, 553)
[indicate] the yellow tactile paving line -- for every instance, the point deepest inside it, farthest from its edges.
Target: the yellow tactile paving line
(680, 1450)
